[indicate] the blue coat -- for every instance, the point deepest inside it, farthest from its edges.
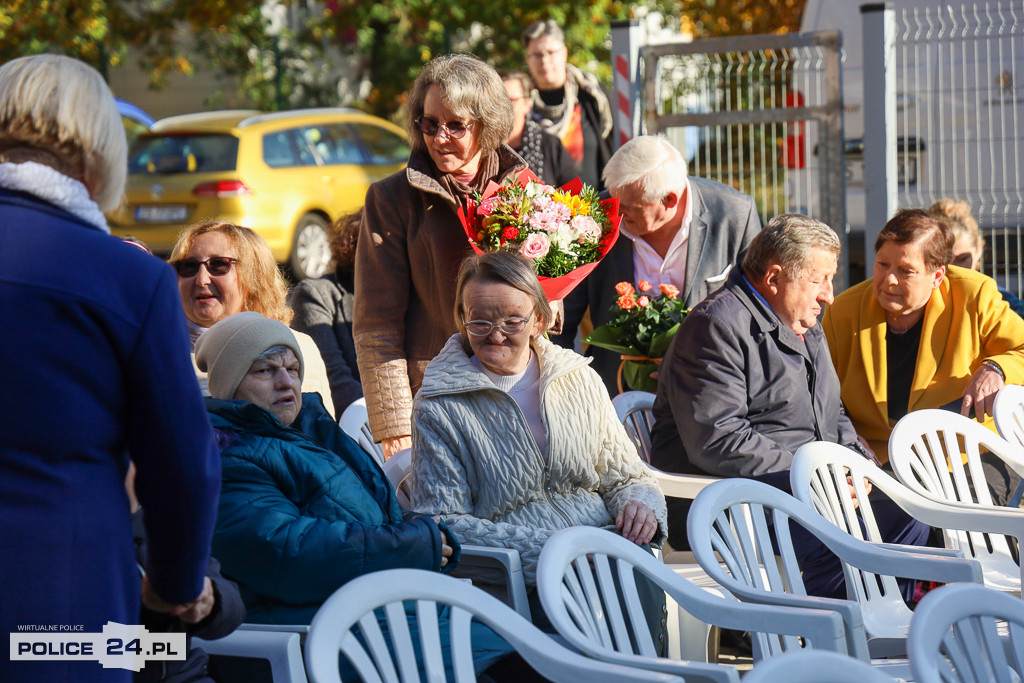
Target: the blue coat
(96, 369)
(304, 510)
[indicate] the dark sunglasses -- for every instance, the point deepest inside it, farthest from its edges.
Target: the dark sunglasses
(215, 265)
(431, 127)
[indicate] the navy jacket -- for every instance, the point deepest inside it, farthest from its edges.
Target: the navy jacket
(96, 369)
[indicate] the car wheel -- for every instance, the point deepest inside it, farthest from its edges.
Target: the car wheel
(311, 247)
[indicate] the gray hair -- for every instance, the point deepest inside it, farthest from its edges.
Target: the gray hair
(506, 268)
(788, 241)
(650, 161)
(541, 29)
(60, 112)
(275, 350)
(472, 90)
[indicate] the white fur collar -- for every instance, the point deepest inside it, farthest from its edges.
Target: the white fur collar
(54, 188)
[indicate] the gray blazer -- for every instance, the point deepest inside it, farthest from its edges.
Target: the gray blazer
(723, 224)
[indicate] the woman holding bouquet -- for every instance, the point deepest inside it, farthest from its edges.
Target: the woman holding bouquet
(411, 241)
(514, 437)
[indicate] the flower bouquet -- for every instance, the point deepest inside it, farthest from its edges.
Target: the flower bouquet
(565, 231)
(641, 329)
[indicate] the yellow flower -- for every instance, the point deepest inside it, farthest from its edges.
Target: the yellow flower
(576, 204)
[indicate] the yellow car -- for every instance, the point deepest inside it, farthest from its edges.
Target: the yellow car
(286, 175)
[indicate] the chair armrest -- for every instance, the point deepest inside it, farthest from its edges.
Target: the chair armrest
(909, 564)
(938, 552)
(682, 485)
(478, 559)
(282, 649)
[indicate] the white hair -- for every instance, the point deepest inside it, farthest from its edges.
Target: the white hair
(652, 163)
(56, 104)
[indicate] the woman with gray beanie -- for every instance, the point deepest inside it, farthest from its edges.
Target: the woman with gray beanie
(303, 509)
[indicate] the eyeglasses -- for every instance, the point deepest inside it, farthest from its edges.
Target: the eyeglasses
(453, 129)
(508, 326)
(215, 265)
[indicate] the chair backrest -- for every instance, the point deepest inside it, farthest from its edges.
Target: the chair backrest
(347, 623)
(587, 581)
(1009, 413)
(354, 422)
(396, 469)
(955, 636)
(634, 411)
(818, 478)
(809, 666)
(928, 449)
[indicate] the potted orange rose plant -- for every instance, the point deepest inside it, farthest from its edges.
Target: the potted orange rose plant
(642, 326)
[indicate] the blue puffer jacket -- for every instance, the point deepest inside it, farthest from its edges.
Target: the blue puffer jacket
(303, 510)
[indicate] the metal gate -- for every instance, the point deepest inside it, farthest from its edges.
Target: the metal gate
(760, 113)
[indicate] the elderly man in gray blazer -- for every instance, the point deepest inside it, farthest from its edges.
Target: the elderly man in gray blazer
(675, 230)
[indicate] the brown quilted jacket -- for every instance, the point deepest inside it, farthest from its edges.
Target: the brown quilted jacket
(407, 259)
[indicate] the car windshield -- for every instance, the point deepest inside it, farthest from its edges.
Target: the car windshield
(187, 153)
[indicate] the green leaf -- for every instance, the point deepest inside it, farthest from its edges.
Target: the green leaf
(660, 342)
(636, 375)
(607, 337)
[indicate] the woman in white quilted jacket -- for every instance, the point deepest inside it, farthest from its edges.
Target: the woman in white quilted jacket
(515, 438)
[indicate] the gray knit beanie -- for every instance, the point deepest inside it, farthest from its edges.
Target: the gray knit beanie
(227, 350)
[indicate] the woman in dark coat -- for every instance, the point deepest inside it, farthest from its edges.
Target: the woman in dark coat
(96, 371)
(323, 310)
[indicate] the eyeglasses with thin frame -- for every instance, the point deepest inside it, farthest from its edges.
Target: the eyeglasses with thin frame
(215, 265)
(453, 129)
(508, 326)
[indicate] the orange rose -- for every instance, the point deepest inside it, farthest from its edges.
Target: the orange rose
(623, 289)
(644, 286)
(643, 301)
(671, 291)
(626, 302)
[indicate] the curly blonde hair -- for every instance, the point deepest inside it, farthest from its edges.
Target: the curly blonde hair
(264, 289)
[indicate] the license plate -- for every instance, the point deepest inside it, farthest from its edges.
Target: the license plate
(167, 213)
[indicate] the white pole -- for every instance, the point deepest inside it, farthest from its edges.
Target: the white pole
(880, 174)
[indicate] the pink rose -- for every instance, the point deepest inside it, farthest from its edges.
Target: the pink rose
(643, 301)
(588, 229)
(535, 246)
(487, 206)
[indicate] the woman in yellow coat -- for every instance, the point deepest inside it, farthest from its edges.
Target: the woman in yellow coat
(921, 334)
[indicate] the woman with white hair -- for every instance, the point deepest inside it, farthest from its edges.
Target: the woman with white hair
(96, 361)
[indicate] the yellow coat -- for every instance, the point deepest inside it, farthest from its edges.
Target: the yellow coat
(965, 322)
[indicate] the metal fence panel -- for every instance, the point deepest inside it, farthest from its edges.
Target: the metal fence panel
(959, 69)
(743, 110)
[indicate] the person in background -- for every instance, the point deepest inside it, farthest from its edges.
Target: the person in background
(542, 151)
(567, 102)
(514, 437)
(225, 269)
(748, 380)
(303, 508)
(412, 242)
(923, 334)
(968, 244)
(217, 613)
(96, 374)
(323, 310)
(676, 230)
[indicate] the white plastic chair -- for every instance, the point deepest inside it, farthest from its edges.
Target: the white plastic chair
(1008, 412)
(380, 657)
(576, 580)
(956, 636)
(815, 666)
(354, 422)
(475, 558)
(927, 449)
(733, 517)
(281, 646)
(818, 478)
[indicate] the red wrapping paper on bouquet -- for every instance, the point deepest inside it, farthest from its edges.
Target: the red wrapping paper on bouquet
(556, 288)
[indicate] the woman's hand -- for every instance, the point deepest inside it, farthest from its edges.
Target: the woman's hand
(446, 550)
(981, 392)
(392, 446)
(637, 523)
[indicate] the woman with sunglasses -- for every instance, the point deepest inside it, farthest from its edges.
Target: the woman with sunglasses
(411, 241)
(225, 269)
(514, 437)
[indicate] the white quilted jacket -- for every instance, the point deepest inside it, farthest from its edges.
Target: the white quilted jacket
(475, 461)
